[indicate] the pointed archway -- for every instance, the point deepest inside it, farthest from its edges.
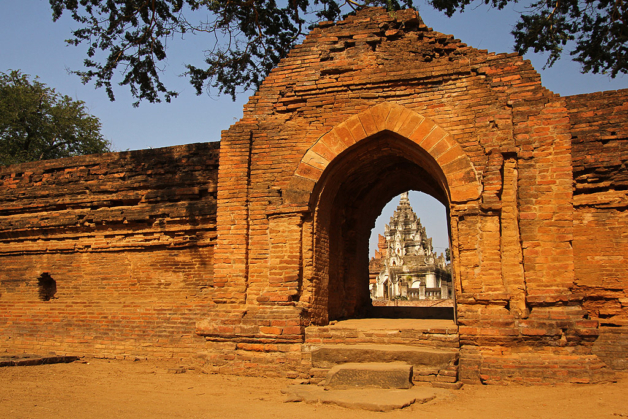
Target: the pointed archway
(347, 177)
(457, 175)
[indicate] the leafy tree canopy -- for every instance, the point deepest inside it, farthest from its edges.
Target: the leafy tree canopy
(598, 28)
(248, 38)
(251, 36)
(37, 123)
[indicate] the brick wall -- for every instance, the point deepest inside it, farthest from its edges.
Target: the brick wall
(163, 253)
(361, 111)
(600, 170)
(127, 238)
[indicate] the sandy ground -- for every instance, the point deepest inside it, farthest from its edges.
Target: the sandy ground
(144, 389)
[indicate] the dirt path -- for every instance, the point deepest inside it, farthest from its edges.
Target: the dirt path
(124, 389)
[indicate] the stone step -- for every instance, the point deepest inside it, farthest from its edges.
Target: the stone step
(374, 399)
(327, 356)
(430, 333)
(429, 364)
(369, 375)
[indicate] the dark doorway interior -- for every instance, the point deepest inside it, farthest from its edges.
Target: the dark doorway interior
(352, 194)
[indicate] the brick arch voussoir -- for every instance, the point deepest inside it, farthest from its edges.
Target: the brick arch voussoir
(462, 178)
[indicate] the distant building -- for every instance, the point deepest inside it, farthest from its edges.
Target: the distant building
(405, 266)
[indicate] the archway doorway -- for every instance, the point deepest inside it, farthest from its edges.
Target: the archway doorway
(348, 198)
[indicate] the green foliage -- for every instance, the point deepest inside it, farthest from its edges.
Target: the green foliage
(598, 28)
(36, 123)
(248, 38)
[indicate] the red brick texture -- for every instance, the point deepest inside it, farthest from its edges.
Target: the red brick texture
(365, 109)
(362, 110)
(599, 124)
(128, 238)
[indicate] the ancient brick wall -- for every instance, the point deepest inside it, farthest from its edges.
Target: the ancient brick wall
(127, 239)
(363, 110)
(166, 253)
(599, 124)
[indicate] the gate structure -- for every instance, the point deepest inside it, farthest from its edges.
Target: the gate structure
(368, 108)
(178, 260)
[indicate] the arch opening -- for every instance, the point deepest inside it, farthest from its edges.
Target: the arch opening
(347, 200)
(410, 243)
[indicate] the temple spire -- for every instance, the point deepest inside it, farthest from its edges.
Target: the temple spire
(405, 266)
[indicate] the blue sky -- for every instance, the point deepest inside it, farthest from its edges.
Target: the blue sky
(31, 42)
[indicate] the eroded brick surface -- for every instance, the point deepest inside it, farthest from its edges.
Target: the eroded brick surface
(127, 237)
(599, 124)
(362, 110)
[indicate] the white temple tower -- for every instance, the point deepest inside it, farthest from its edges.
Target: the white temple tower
(409, 269)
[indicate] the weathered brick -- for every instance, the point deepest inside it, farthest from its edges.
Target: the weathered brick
(272, 241)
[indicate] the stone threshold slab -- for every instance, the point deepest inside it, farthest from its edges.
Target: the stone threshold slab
(373, 399)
